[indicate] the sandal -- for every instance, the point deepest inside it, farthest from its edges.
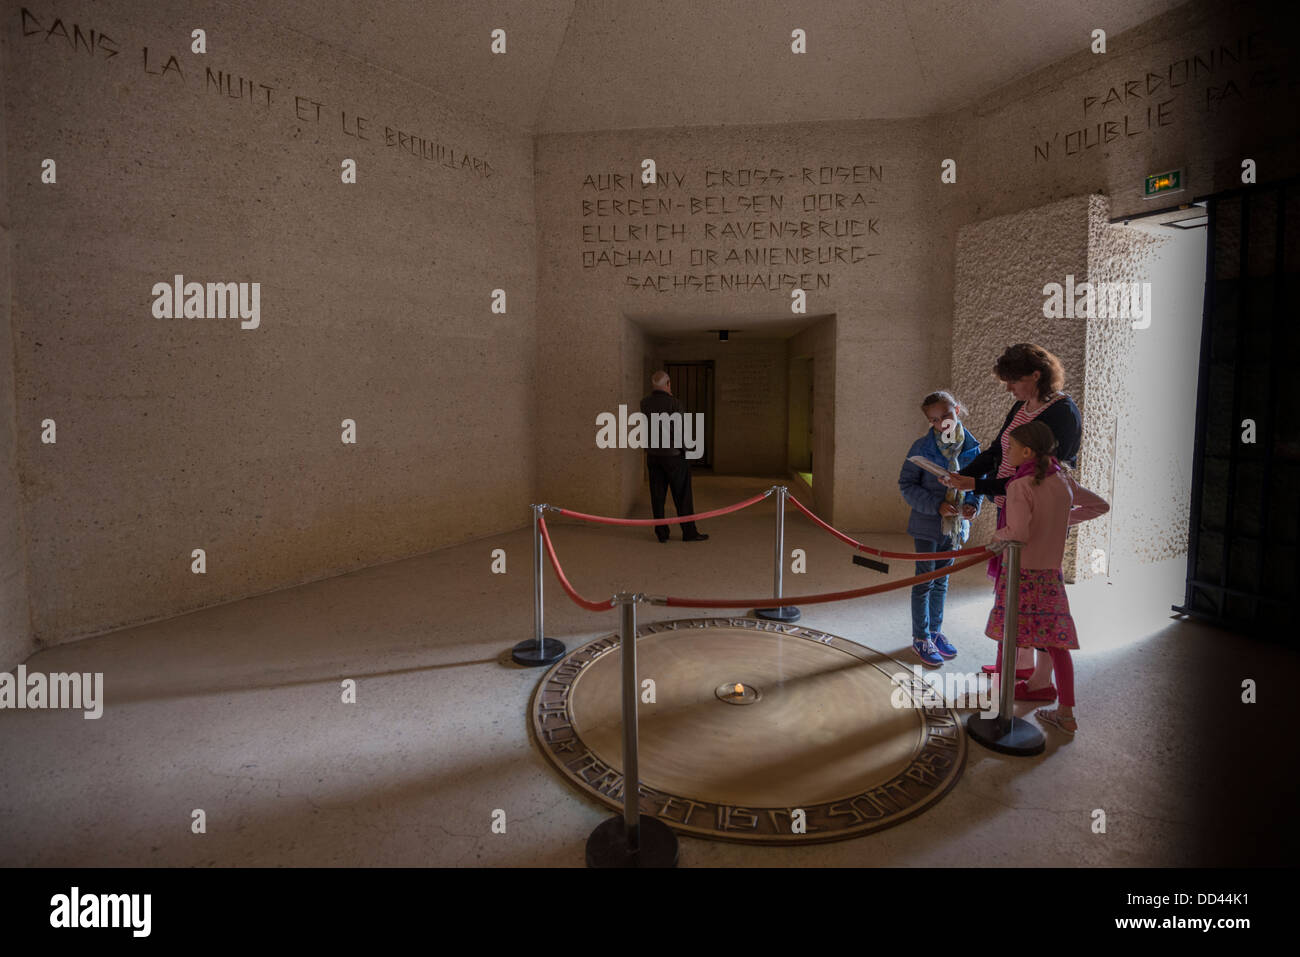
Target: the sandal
(1023, 693)
(1053, 717)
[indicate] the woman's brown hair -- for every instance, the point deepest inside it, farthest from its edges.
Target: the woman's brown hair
(1024, 359)
(1038, 438)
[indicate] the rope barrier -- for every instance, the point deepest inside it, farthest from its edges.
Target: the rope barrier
(605, 520)
(817, 599)
(633, 821)
(981, 551)
(969, 556)
(564, 582)
(700, 516)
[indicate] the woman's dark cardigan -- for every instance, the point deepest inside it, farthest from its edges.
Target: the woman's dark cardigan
(1062, 417)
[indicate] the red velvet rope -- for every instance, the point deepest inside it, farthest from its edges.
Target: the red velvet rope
(971, 556)
(564, 582)
(818, 599)
(981, 551)
(604, 520)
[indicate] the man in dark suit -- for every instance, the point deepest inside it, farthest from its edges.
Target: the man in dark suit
(668, 467)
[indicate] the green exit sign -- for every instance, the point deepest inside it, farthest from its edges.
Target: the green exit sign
(1164, 182)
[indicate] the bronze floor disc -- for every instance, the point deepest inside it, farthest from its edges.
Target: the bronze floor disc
(757, 728)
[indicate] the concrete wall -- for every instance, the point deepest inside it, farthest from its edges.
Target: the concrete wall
(891, 306)
(1122, 255)
(1217, 77)
(636, 349)
(1002, 265)
(16, 641)
(176, 434)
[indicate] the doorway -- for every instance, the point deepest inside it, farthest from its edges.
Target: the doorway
(692, 384)
(1148, 440)
(801, 418)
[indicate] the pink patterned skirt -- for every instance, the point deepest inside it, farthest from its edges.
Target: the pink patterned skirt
(1045, 620)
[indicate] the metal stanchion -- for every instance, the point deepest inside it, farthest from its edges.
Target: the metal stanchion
(785, 612)
(1006, 732)
(538, 650)
(635, 839)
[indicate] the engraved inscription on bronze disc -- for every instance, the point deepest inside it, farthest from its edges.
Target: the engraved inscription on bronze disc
(830, 727)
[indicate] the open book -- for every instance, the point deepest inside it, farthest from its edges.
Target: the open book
(929, 466)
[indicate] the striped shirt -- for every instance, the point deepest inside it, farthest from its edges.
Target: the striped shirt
(1007, 468)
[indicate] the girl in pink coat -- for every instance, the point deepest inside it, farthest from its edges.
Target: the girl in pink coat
(1042, 503)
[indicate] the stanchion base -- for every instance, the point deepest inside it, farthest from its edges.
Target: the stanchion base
(528, 654)
(607, 845)
(1021, 738)
(784, 613)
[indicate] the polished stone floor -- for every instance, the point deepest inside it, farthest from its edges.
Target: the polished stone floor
(236, 710)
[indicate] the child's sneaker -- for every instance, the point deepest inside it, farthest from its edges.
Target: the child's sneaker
(943, 645)
(926, 651)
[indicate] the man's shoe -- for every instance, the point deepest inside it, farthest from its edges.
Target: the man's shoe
(943, 646)
(696, 538)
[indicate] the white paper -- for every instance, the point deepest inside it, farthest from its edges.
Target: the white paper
(929, 466)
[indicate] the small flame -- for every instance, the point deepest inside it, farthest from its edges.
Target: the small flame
(740, 690)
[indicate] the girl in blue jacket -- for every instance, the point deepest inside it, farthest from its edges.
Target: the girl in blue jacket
(940, 519)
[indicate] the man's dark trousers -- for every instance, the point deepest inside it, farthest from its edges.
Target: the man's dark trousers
(671, 472)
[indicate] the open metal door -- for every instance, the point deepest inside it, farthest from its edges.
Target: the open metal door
(1242, 571)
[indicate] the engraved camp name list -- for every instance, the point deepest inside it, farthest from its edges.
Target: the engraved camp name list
(719, 230)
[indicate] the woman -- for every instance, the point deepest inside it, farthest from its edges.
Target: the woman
(1034, 377)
